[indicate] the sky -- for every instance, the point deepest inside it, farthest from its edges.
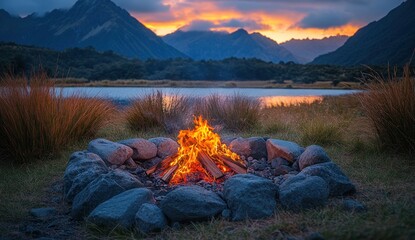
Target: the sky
(280, 20)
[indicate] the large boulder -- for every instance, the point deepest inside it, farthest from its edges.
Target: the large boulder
(102, 189)
(165, 146)
(112, 153)
(285, 149)
(303, 192)
(150, 218)
(312, 155)
(120, 210)
(338, 182)
(191, 203)
(253, 146)
(79, 163)
(250, 196)
(142, 148)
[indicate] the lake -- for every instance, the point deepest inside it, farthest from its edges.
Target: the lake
(268, 96)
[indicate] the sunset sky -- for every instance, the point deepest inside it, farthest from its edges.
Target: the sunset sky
(280, 20)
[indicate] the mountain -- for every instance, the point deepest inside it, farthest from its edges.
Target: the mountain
(204, 45)
(306, 50)
(97, 23)
(391, 40)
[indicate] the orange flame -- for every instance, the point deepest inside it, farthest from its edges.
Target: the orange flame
(197, 140)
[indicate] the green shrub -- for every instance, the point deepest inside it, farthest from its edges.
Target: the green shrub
(158, 111)
(389, 103)
(37, 120)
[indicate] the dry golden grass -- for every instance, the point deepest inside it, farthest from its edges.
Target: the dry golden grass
(158, 111)
(390, 105)
(37, 121)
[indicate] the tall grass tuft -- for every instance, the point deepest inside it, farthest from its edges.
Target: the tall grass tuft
(390, 105)
(321, 132)
(235, 113)
(158, 111)
(36, 120)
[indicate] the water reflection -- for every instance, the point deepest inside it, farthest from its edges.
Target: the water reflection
(271, 101)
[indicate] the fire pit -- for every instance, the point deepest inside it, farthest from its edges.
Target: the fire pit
(149, 184)
(200, 154)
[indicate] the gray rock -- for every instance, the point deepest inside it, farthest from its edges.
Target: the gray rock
(253, 146)
(282, 170)
(312, 155)
(285, 149)
(227, 140)
(165, 146)
(81, 162)
(102, 189)
(42, 212)
(191, 203)
(150, 218)
(303, 192)
(81, 181)
(226, 213)
(112, 153)
(352, 205)
(120, 210)
(130, 164)
(259, 165)
(250, 196)
(279, 161)
(314, 236)
(142, 148)
(338, 182)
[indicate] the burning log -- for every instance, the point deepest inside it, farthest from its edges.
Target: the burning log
(234, 165)
(163, 165)
(210, 165)
(166, 176)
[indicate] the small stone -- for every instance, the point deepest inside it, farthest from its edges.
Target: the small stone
(142, 148)
(285, 149)
(42, 212)
(312, 155)
(226, 213)
(259, 166)
(250, 158)
(282, 170)
(279, 161)
(150, 218)
(112, 153)
(165, 146)
(353, 206)
(131, 164)
(176, 226)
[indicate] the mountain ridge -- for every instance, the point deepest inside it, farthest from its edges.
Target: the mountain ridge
(97, 23)
(212, 45)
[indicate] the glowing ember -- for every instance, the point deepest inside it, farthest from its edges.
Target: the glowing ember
(201, 152)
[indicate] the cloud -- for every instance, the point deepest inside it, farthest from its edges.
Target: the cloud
(324, 20)
(246, 24)
(199, 25)
(24, 7)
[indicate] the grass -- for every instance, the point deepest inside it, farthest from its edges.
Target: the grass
(235, 113)
(158, 111)
(36, 120)
(390, 105)
(385, 181)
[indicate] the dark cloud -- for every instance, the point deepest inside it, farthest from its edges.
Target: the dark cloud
(324, 19)
(24, 7)
(198, 25)
(246, 24)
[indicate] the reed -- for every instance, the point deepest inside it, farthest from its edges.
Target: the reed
(36, 120)
(389, 103)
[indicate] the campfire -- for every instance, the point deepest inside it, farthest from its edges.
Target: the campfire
(200, 155)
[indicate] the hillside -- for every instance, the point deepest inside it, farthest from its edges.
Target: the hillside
(391, 40)
(97, 23)
(209, 45)
(305, 50)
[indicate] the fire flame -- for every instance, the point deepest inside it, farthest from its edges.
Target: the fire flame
(192, 142)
